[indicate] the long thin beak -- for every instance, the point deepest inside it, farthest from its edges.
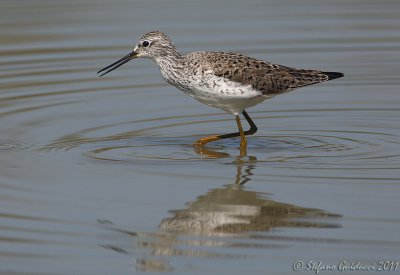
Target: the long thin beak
(117, 64)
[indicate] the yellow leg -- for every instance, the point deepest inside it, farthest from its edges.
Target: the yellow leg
(243, 140)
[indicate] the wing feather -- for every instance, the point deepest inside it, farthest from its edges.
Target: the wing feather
(268, 78)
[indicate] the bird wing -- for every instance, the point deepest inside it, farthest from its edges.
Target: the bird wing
(267, 78)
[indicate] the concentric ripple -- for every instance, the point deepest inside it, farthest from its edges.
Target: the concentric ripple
(304, 145)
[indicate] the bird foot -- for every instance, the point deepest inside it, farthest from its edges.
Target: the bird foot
(202, 141)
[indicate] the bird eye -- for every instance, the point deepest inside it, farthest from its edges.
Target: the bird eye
(145, 43)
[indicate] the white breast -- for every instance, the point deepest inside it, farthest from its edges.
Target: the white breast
(223, 93)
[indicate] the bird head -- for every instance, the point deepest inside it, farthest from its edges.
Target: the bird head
(153, 45)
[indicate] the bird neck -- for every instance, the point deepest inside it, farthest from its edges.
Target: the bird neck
(170, 64)
(170, 58)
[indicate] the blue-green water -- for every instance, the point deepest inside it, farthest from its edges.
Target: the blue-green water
(98, 176)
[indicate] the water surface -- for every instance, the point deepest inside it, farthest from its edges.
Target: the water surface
(98, 175)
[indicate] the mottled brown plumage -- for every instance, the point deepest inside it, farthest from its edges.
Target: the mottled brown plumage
(268, 78)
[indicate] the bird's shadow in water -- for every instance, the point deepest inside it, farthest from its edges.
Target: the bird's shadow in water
(220, 217)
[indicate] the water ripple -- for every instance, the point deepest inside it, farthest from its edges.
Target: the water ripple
(309, 147)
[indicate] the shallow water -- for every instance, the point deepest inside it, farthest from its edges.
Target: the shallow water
(98, 175)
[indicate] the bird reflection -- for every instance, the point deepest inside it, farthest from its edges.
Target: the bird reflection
(223, 213)
(233, 209)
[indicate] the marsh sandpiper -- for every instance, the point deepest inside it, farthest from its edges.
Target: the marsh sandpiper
(229, 81)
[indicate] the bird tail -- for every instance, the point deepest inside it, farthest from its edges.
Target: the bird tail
(333, 75)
